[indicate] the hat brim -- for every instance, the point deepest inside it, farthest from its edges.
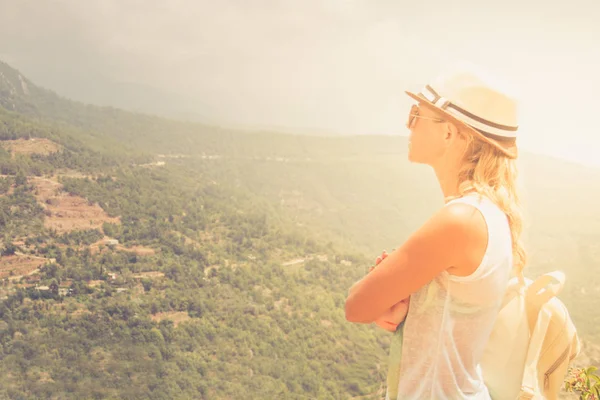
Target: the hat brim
(509, 149)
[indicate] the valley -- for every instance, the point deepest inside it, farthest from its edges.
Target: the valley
(148, 258)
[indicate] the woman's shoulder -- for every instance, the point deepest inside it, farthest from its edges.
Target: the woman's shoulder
(475, 200)
(458, 222)
(467, 229)
(462, 212)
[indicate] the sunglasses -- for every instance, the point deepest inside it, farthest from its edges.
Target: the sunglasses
(414, 114)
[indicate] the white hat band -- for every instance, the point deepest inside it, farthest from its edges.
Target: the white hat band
(488, 128)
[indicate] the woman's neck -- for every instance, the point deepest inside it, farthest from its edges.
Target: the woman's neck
(448, 181)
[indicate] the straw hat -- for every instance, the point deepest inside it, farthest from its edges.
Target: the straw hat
(473, 100)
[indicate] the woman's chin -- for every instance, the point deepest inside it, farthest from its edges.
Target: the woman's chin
(412, 158)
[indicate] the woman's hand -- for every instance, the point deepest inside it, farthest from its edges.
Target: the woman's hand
(394, 316)
(379, 259)
(397, 313)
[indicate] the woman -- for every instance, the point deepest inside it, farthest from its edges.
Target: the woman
(456, 267)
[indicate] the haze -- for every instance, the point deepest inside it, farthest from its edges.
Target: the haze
(337, 67)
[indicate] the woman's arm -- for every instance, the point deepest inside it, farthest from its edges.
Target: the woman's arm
(454, 238)
(378, 261)
(391, 318)
(385, 325)
(394, 316)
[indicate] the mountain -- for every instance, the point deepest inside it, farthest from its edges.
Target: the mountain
(144, 257)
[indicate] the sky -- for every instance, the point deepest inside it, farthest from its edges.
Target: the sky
(327, 66)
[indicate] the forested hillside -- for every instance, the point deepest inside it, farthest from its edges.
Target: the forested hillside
(149, 258)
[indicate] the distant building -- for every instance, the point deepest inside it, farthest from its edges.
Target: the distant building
(112, 242)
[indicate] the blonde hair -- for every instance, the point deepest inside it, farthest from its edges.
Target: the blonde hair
(487, 171)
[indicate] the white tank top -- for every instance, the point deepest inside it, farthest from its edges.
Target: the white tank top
(450, 320)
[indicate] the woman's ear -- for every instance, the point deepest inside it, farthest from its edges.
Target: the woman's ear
(452, 129)
(451, 132)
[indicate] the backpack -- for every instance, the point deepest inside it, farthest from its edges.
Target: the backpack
(532, 343)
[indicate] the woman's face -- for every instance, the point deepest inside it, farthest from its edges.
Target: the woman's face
(425, 142)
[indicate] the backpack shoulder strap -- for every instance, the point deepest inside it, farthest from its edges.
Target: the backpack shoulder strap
(530, 388)
(537, 294)
(540, 291)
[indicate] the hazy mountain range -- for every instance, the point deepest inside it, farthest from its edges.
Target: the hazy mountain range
(234, 251)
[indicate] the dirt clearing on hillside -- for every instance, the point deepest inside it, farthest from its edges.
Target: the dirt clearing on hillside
(106, 241)
(176, 316)
(19, 265)
(149, 275)
(30, 146)
(65, 212)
